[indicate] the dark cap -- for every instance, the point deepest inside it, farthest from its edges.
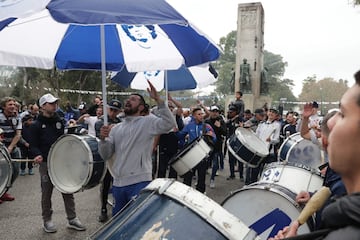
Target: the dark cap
(115, 104)
(259, 111)
(232, 108)
(27, 117)
(247, 111)
(315, 104)
(274, 109)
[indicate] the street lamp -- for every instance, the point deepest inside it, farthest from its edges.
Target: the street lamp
(321, 99)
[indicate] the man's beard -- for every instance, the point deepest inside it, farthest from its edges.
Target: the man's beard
(131, 111)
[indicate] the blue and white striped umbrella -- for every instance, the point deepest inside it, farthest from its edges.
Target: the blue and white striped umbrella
(183, 78)
(152, 36)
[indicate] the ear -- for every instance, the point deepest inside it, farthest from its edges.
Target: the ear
(141, 108)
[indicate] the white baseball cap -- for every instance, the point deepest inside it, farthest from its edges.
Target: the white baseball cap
(47, 98)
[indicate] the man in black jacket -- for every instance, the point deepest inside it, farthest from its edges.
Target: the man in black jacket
(43, 133)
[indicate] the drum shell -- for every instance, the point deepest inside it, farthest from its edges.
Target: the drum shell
(171, 210)
(262, 207)
(190, 156)
(6, 170)
(293, 176)
(299, 150)
(75, 164)
(247, 147)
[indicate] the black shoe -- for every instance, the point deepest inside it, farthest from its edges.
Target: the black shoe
(103, 216)
(230, 178)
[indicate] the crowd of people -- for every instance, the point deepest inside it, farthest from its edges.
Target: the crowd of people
(139, 142)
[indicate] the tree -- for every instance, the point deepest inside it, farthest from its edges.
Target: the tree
(327, 91)
(274, 64)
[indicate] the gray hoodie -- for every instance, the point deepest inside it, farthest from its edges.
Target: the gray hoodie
(129, 146)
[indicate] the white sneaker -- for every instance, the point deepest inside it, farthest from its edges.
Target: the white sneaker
(49, 227)
(212, 184)
(76, 224)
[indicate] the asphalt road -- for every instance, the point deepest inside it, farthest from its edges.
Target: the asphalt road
(21, 219)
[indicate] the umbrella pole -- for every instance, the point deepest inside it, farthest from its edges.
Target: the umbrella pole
(103, 72)
(166, 88)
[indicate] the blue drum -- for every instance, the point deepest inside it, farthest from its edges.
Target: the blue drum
(6, 171)
(296, 149)
(167, 209)
(75, 164)
(247, 147)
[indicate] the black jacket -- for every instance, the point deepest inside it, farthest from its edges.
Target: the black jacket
(43, 133)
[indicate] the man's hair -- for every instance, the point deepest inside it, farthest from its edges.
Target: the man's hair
(195, 110)
(240, 93)
(324, 127)
(5, 100)
(142, 100)
(357, 80)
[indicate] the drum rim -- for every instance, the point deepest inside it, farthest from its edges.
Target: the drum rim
(293, 164)
(54, 180)
(170, 188)
(248, 146)
(242, 160)
(7, 158)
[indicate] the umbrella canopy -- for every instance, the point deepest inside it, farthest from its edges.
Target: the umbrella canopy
(180, 79)
(137, 47)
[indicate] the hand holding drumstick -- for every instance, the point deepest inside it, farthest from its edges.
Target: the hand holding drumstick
(314, 204)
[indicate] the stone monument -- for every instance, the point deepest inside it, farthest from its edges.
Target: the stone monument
(250, 75)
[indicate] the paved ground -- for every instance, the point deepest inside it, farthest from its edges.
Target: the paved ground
(21, 219)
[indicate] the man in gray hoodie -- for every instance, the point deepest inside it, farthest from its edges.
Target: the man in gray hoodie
(128, 146)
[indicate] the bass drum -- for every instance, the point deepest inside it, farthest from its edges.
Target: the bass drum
(296, 149)
(75, 164)
(167, 209)
(6, 170)
(190, 156)
(247, 147)
(293, 176)
(266, 208)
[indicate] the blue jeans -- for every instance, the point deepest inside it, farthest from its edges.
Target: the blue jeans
(215, 164)
(122, 195)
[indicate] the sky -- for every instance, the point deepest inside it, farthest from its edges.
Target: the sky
(315, 37)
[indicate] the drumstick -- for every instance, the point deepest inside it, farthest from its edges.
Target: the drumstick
(22, 160)
(314, 204)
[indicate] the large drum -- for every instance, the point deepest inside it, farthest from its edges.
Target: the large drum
(167, 209)
(293, 176)
(266, 208)
(190, 156)
(74, 163)
(247, 147)
(6, 170)
(299, 150)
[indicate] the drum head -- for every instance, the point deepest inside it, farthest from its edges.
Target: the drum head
(69, 163)
(252, 142)
(264, 209)
(298, 150)
(5, 171)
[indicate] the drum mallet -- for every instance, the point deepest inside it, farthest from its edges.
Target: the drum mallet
(314, 204)
(22, 160)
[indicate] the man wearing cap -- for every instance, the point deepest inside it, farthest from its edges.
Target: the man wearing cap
(43, 133)
(130, 143)
(218, 124)
(11, 126)
(232, 123)
(269, 132)
(24, 144)
(114, 108)
(259, 116)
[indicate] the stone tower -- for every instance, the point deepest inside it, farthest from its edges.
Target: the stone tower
(250, 46)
